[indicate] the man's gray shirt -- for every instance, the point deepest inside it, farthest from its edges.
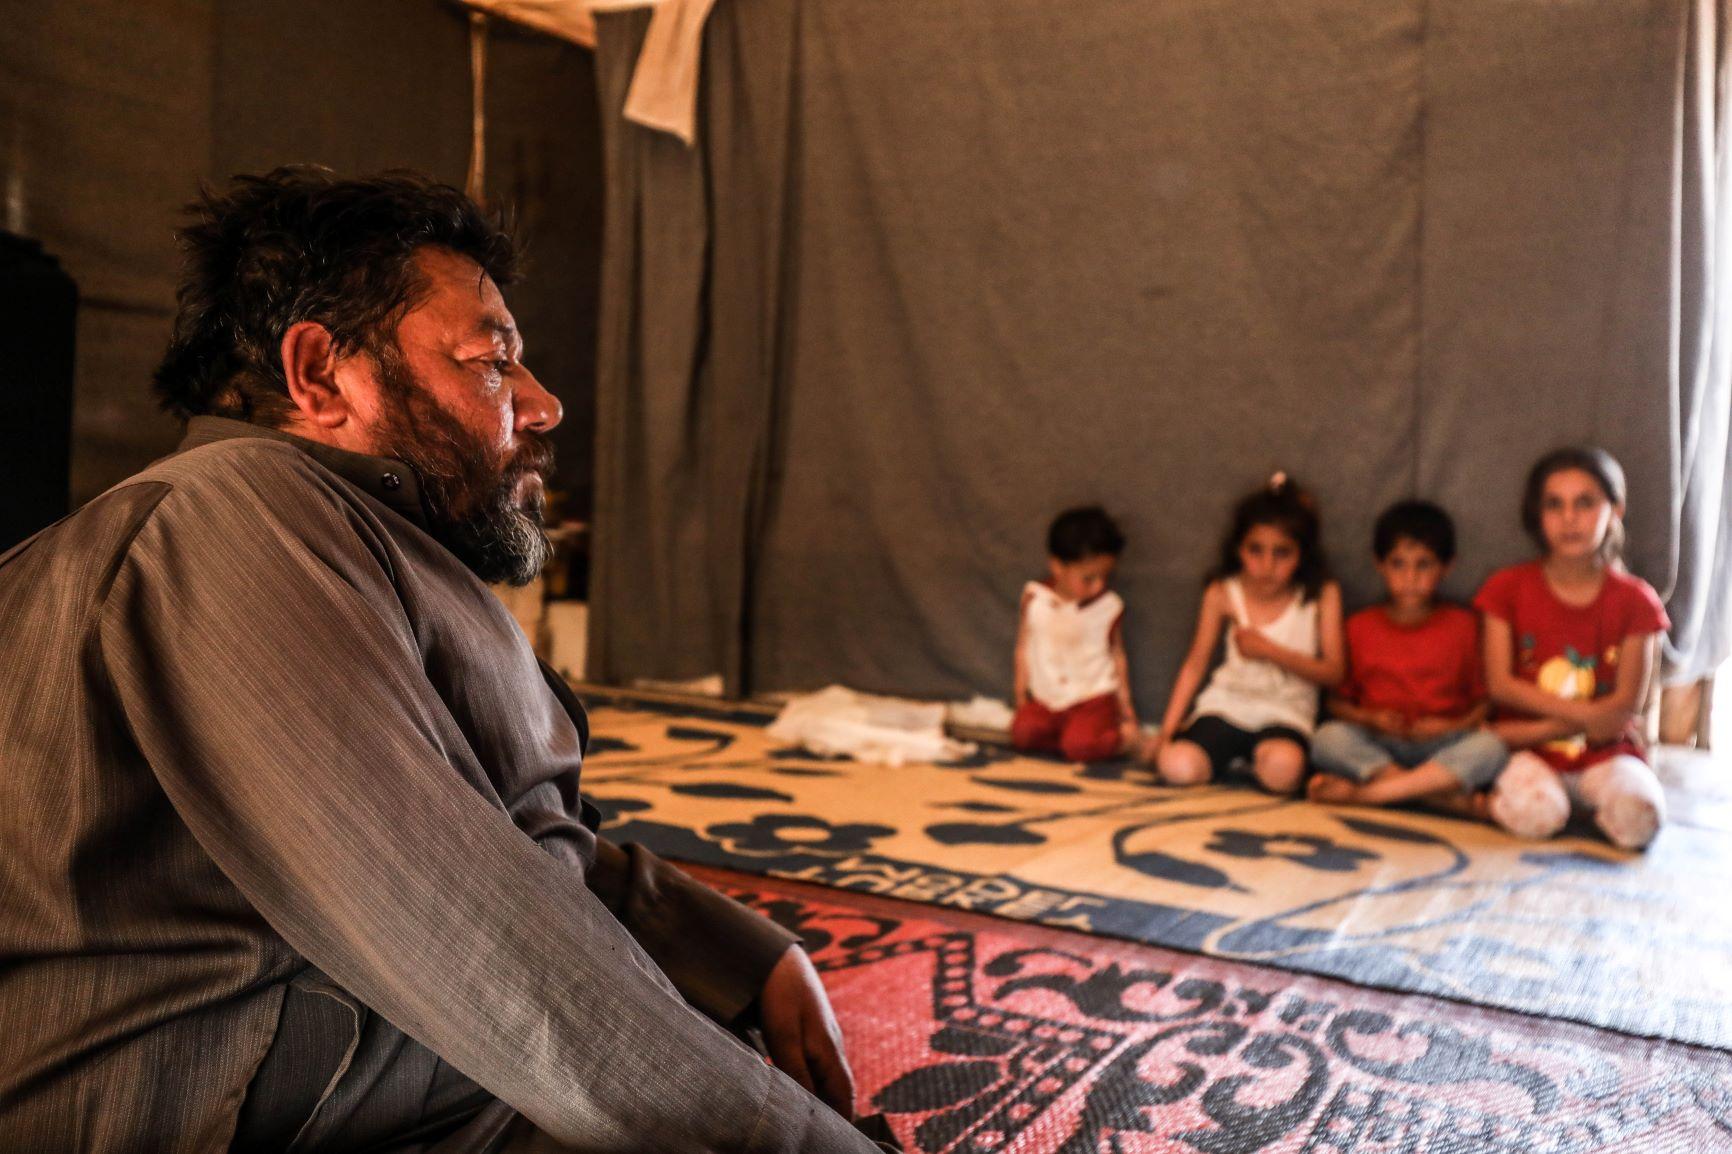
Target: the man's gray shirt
(258, 729)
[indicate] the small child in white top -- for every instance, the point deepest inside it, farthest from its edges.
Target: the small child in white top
(1073, 689)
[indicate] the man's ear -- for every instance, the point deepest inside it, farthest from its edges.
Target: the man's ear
(310, 370)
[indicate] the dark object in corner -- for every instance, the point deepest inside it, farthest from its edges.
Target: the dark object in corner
(38, 312)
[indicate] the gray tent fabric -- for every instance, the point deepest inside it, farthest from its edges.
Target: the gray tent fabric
(1700, 606)
(688, 350)
(935, 272)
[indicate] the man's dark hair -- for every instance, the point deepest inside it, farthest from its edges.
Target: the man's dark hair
(299, 244)
(1418, 521)
(1078, 534)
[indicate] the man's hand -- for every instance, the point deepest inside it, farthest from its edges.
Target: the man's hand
(801, 1034)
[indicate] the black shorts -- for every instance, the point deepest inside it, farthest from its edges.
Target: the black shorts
(1227, 745)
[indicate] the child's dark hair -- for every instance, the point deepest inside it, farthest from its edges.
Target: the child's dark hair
(1078, 534)
(1421, 522)
(1596, 463)
(1289, 508)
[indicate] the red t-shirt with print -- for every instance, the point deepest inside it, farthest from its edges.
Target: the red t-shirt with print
(1571, 651)
(1429, 669)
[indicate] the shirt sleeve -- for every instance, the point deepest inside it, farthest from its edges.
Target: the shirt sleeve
(717, 953)
(264, 664)
(1496, 598)
(1644, 612)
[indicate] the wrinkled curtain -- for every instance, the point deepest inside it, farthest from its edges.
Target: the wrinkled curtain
(1701, 600)
(932, 273)
(688, 349)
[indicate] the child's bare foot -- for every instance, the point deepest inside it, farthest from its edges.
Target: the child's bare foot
(1328, 789)
(1146, 749)
(1475, 806)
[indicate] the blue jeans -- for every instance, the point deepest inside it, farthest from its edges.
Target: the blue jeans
(1342, 748)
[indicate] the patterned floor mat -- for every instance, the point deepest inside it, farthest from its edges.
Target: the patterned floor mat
(973, 1034)
(1570, 928)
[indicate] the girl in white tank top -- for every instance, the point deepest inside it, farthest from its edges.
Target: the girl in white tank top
(1282, 622)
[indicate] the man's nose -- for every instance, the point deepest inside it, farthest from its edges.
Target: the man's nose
(535, 408)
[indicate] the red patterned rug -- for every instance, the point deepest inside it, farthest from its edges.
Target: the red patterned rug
(974, 1034)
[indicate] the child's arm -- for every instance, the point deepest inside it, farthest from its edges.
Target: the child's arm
(1609, 716)
(1519, 733)
(1440, 724)
(1019, 676)
(1387, 720)
(1122, 667)
(1507, 689)
(1210, 617)
(1326, 668)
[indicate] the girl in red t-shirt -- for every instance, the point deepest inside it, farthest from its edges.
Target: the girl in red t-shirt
(1569, 649)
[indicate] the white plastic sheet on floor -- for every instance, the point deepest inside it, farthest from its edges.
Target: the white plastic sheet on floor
(880, 730)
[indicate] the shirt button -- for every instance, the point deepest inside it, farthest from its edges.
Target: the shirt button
(391, 481)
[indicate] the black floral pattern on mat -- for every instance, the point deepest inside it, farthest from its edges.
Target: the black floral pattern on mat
(598, 745)
(728, 790)
(769, 834)
(1308, 850)
(720, 739)
(1168, 867)
(984, 833)
(1175, 1062)
(611, 808)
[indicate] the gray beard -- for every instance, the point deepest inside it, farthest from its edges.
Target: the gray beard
(465, 489)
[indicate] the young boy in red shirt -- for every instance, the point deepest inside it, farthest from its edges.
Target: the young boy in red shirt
(1408, 716)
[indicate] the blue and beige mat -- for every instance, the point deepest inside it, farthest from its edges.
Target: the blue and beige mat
(1570, 928)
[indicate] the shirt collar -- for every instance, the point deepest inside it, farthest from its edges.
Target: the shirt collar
(387, 480)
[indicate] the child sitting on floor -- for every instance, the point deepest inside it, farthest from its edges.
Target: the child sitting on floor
(1283, 623)
(1569, 649)
(1073, 686)
(1408, 714)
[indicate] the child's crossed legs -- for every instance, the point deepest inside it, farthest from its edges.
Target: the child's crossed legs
(1208, 746)
(1533, 800)
(1360, 766)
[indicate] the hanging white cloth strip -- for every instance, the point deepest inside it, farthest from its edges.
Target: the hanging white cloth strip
(664, 84)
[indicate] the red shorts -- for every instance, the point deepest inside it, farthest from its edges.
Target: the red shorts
(1087, 731)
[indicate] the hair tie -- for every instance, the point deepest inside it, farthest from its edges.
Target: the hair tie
(1277, 481)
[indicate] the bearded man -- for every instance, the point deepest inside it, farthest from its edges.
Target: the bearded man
(294, 851)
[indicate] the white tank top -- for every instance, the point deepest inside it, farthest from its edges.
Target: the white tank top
(1255, 694)
(1068, 646)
